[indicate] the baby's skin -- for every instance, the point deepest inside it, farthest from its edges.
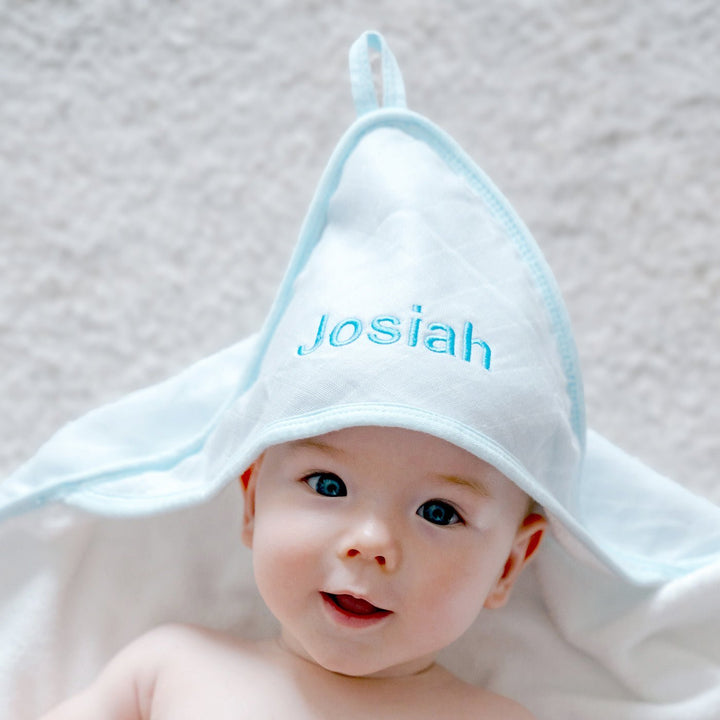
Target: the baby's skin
(184, 673)
(374, 548)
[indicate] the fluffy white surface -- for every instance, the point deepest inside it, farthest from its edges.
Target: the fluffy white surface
(157, 160)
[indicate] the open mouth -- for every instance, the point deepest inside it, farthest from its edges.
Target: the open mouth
(355, 608)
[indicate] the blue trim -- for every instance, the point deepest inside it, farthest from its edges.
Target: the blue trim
(440, 142)
(636, 569)
(420, 128)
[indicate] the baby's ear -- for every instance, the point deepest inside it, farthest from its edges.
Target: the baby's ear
(527, 540)
(245, 477)
(248, 482)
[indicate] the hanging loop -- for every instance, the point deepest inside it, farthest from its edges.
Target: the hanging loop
(361, 75)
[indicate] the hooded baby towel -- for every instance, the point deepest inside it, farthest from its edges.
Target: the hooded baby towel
(415, 298)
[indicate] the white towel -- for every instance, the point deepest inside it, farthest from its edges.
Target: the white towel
(576, 642)
(416, 298)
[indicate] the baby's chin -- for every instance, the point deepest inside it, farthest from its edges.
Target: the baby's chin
(362, 660)
(354, 667)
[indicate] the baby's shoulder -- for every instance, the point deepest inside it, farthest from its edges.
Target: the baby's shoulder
(464, 700)
(202, 673)
(168, 642)
(491, 705)
(179, 636)
(176, 643)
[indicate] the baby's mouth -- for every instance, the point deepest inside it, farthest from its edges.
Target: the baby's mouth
(355, 607)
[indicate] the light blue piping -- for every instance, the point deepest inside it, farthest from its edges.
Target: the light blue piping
(393, 415)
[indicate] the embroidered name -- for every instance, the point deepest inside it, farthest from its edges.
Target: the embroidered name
(389, 329)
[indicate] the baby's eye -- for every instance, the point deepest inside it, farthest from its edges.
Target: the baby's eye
(326, 484)
(439, 513)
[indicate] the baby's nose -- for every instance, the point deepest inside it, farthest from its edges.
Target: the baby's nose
(371, 540)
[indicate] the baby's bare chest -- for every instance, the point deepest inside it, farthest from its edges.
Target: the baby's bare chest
(257, 696)
(239, 682)
(219, 702)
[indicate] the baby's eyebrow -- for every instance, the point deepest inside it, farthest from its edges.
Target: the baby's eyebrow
(315, 444)
(474, 484)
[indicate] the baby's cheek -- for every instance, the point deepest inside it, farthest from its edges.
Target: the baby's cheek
(458, 588)
(274, 576)
(280, 557)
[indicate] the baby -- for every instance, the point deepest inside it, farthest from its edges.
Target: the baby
(374, 548)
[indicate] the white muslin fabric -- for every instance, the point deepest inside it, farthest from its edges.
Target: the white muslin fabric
(415, 298)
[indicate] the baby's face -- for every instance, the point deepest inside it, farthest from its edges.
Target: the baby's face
(377, 547)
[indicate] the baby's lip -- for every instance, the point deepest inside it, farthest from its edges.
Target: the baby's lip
(354, 605)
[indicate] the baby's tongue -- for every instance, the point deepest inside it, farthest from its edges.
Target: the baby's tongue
(355, 605)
